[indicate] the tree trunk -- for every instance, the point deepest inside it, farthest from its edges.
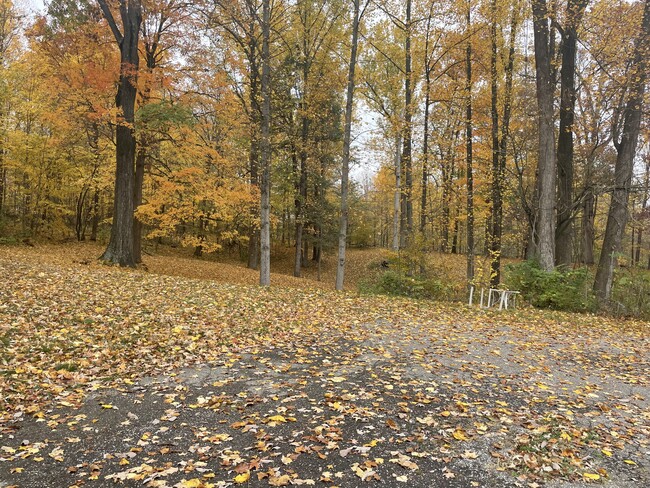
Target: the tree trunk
(3, 180)
(265, 153)
(253, 155)
(454, 240)
(79, 214)
(345, 165)
(137, 198)
(644, 211)
(564, 231)
(546, 155)
(301, 197)
(120, 246)
(588, 218)
(398, 193)
(626, 150)
(502, 151)
(425, 153)
(407, 166)
(95, 216)
(468, 152)
(497, 207)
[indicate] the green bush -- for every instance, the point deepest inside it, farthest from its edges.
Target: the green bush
(631, 292)
(567, 290)
(396, 283)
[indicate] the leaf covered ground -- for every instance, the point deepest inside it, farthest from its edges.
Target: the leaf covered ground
(138, 378)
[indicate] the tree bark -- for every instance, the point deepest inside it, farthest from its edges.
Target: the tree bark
(345, 164)
(626, 150)
(95, 216)
(644, 211)
(301, 197)
(407, 164)
(565, 213)
(588, 217)
(254, 150)
(546, 155)
(468, 151)
(120, 246)
(398, 193)
(501, 156)
(497, 207)
(265, 153)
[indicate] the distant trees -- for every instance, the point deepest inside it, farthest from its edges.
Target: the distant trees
(471, 132)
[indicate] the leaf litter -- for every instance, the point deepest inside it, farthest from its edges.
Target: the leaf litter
(111, 376)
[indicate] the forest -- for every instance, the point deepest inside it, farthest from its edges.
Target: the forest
(489, 129)
(240, 240)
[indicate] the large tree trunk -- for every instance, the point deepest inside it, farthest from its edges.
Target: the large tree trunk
(345, 165)
(564, 230)
(468, 151)
(407, 166)
(546, 155)
(501, 158)
(497, 207)
(265, 153)
(120, 246)
(254, 150)
(626, 150)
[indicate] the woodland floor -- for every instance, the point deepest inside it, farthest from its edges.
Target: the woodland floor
(189, 375)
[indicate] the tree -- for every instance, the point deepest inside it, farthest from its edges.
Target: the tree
(345, 164)
(8, 33)
(469, 125)
(120, 246)
(626, 150)
(238, 20)
(265, 153)
(500, 137)
(545, 222)
(158, 18)
(565, 212)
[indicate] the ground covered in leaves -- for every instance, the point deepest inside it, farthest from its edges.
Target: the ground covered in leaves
(114, 377)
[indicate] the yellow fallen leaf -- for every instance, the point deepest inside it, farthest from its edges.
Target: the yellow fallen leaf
(591, 476)
(337, 379)
(459, 435)
(193, 483)
(277, 418)
(630, 462)
(606, 452)
(283, 480)
(242, 478)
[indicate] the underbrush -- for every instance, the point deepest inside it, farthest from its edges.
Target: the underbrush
(631, 293)
(568, 290)
(393, 276)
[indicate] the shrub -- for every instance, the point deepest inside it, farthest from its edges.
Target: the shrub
(567, 290)
(631, 292)
(396, 283)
